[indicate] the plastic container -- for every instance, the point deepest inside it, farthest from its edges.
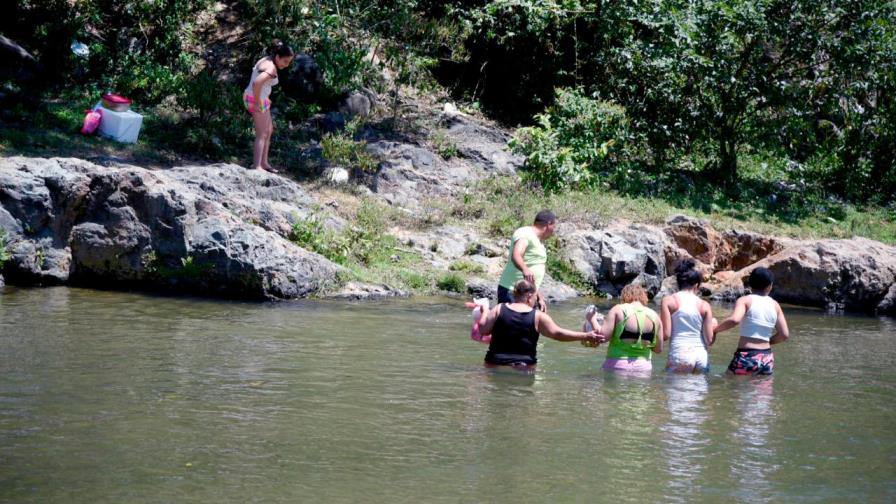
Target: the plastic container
(116, 103)
(120, 126)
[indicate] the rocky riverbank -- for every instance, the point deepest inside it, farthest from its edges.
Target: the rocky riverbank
(223, 230)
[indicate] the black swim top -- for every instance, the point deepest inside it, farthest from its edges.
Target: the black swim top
(514, 334)
(626, 334)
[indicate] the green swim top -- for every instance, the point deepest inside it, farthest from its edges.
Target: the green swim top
(535, 256)
(619, 349)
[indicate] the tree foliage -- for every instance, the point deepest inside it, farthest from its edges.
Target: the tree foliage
(704, 79)
(694, 85)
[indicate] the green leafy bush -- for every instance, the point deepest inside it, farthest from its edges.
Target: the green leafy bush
(452, 282)
(311, 233)
(577, 141)
(443, 145)
(342, 150)
(4, 242)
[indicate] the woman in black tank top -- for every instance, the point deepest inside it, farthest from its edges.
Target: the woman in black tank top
(515, 328)
(513, 338)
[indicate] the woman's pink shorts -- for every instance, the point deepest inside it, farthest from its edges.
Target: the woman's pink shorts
(632, 366)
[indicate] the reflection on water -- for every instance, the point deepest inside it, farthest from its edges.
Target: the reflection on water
(683, 437)
(112, 397)
(754, 459)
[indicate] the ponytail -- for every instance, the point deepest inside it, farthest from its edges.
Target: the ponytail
(686, 274)
(279, 48)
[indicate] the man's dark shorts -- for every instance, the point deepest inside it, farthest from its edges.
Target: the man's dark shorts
(504, 295)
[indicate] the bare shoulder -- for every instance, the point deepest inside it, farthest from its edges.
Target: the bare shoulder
(265, 64)
(668, 301)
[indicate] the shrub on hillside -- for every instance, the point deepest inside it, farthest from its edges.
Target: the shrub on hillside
(578, 141)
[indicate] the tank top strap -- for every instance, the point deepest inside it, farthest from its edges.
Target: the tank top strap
(641, 316)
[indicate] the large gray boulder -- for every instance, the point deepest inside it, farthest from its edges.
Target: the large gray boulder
(483, 145)
(407, 173)
(216, 230)
(855, 275)
(609, 259)
(411, 175)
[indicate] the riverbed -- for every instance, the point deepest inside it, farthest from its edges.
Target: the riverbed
(120, 397)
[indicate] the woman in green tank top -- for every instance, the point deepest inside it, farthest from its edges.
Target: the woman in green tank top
(635, 333)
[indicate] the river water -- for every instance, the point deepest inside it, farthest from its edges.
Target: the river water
(117, 397)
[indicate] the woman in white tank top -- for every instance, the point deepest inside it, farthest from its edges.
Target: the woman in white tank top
(256, 98)
(762, 324)
(688, 322)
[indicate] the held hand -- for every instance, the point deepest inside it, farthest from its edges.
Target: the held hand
(528, 275)
(593, 339)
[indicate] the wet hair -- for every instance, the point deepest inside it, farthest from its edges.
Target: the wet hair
(522, 289)
(760, 279)
(686, 274)
(545, 217)
(632, 293)
(280, 48)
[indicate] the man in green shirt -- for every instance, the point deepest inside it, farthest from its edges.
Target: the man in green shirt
(527, 257)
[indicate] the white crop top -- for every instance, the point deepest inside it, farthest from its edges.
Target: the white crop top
(759, 321)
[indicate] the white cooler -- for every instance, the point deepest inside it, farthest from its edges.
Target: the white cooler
(120, 126)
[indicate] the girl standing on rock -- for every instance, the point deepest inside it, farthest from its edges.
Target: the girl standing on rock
(762, 324)
(688, 321)
(256, 97)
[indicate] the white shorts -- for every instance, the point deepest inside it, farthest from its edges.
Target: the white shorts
(689, 359)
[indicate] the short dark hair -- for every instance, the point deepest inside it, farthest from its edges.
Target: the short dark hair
(686, 274)
(545, 217)
(760, 279)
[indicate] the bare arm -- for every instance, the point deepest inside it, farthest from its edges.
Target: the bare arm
(486, 325)
(740, 308)
(519, 248)
(546, 325)
(657, 336)
(709, 337)
(666, 309)
(610, 322)
(782, 332)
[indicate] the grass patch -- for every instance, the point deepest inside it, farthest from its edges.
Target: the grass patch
(171, 133)
(368, 252)
(502, 204)
(561, 269)
(443, 145)
(452, 282)
(467, 267)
